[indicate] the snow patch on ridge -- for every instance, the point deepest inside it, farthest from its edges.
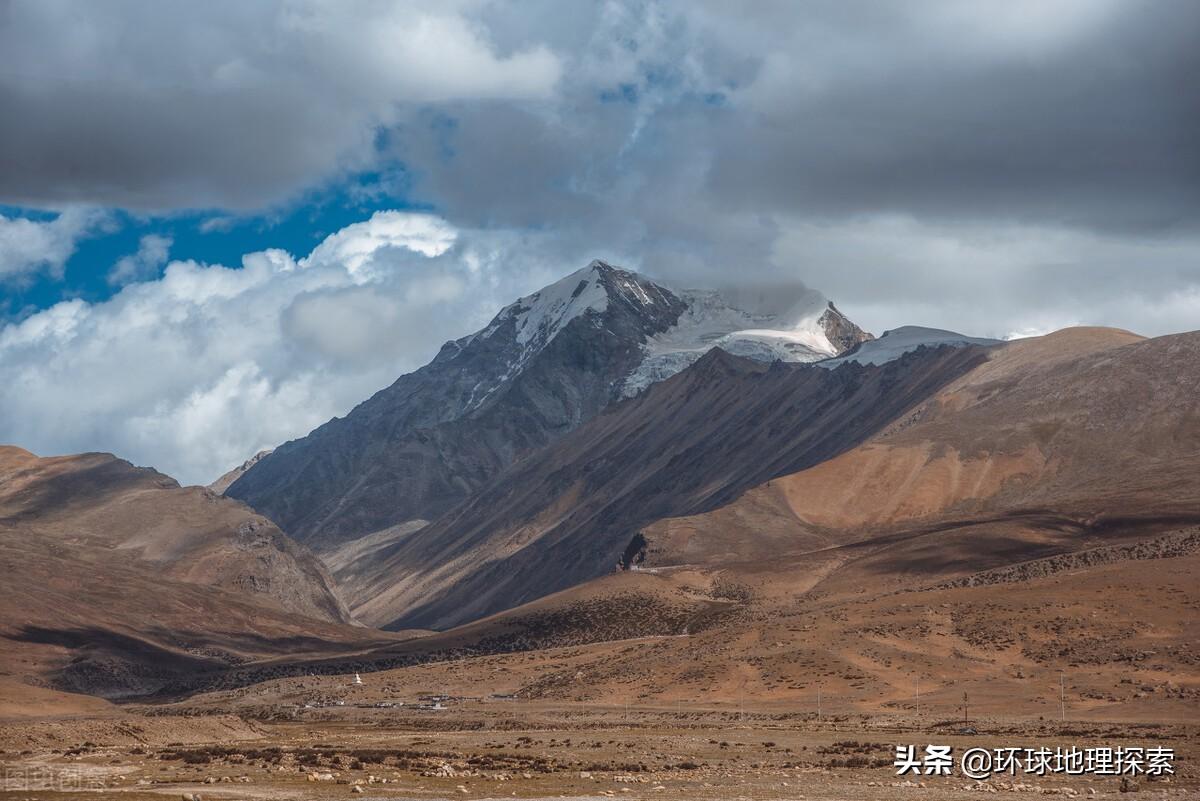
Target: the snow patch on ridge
(537, 318)
(893, 344)
(544, 313)
(712, 321)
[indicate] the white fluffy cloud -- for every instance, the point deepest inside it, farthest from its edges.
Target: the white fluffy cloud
(198, 369)
(355, 246)
(27, 246)
(151, 254)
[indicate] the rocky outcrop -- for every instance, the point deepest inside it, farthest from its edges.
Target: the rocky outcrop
(841, 332)
(221, 484)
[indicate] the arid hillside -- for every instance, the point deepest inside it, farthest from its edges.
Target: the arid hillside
(967, 521)
(1094, 429)
(118, 579)
(1036, 512)
(573, 510)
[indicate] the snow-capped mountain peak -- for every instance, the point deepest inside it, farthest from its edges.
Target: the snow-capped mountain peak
(539, 316)
(545, 365)
(672, 328)
(542, 314)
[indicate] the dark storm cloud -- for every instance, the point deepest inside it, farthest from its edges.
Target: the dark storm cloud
(690, 136)
(1097, 131)
(157, 149)
(1081, 113)
(502, 165)
(998, 168)
(160, 106)
(1020, 148)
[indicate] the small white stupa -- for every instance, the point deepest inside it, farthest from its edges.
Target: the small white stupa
(357, 679)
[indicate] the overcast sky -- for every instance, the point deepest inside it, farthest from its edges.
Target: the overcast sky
(222, 223)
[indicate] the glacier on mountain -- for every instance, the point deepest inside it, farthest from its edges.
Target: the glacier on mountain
(784, 323)
(893, 344)
(711, 320)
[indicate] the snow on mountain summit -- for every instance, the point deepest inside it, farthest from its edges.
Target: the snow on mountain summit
(546, 364)
(801, 328)
(541, 315)
(672, 328)
(896, 342)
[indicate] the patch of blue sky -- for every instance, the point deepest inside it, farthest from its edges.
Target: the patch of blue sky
(209, 236)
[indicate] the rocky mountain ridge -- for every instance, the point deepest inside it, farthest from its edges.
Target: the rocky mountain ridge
(545, 364)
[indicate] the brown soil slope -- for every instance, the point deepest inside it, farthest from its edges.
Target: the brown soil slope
(1087, 424)
(571, 512)
(1033, 562)
(865, 624)
(116, 577)
(613, 608)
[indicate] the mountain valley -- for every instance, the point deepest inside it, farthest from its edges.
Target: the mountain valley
(620, 495)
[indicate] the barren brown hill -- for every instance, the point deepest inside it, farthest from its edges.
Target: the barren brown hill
(613, 608)
(572, 511)
(1083, 425)
(867, 625)
(872, 626)
(117, 578)
(1028, 514)
(995, 588)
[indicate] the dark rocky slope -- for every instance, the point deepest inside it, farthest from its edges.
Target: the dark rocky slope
(569, 512)
(545, 364)
(420, 446)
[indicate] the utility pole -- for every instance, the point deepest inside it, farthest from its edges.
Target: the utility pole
(818, 702)
(1062, 694)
